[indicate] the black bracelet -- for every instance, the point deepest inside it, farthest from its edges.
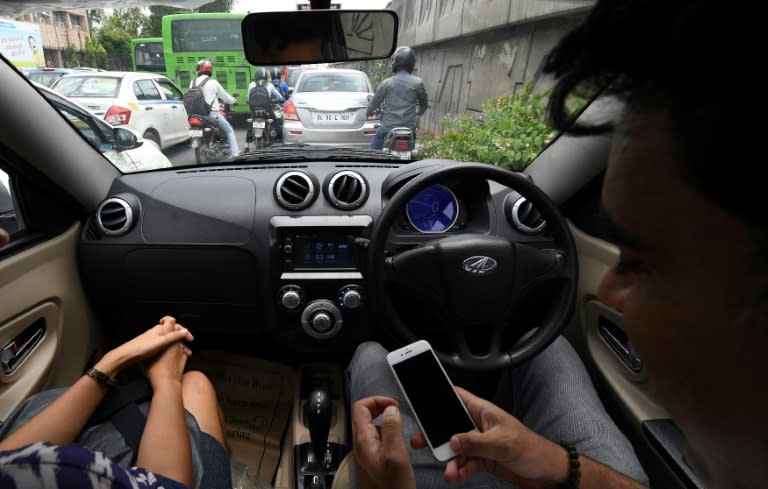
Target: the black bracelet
(574, 472)
(103, 379)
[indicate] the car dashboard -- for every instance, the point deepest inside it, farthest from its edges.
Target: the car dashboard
(277, 251)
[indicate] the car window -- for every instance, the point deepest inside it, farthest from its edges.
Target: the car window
(8, 218)
(85, 127)
(87, 86)
(45, 78)
(146, 90)
(333, 82)
(169, 90)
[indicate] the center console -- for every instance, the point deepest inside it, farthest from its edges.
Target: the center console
(318, 283)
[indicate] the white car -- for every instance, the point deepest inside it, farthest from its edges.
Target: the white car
(115, 143)
(148, 103)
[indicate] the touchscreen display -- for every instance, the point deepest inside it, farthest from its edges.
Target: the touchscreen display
(432, 398)
(324, 249)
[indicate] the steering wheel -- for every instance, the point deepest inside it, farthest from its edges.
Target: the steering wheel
(477, 280)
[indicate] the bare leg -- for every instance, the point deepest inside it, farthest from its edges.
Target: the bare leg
(200, 400)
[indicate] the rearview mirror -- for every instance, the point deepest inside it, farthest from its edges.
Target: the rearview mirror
(318, 36)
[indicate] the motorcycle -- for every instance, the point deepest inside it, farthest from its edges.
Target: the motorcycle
(399, 142)
(207, 140)
(264, 128)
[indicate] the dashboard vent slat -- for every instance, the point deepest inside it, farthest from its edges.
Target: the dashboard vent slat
(295, 190)
(347, 190)
(526, 218)
(114, 217)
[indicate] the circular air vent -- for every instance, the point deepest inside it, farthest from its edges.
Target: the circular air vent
(526, 218)
(295, 190)
(114, 217)
(347, 190)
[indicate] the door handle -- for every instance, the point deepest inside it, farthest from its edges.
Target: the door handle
(174, 106)
(147, 108)
(19, 347)
(618, 341)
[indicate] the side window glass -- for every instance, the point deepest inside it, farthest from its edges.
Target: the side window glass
(169, 90)
(83, 127)
(8, 218)
(146, 90)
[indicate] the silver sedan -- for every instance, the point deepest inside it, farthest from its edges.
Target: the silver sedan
(328, 108)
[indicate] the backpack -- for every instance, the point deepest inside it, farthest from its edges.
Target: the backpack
(259, 99)
(194, 101)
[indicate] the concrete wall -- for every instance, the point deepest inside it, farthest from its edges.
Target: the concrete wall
(472, 50)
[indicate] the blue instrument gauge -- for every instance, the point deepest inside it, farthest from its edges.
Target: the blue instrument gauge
(433, 210)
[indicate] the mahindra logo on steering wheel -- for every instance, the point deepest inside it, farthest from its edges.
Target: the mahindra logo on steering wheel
(479, 264)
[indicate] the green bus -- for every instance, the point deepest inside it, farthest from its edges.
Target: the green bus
(147, 55)
(189, 38)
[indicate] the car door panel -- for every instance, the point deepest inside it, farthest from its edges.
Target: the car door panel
(178, 128)
(40, 287)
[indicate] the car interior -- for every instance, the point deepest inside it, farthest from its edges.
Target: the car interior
(297, 261)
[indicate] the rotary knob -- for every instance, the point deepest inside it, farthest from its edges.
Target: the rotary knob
(321, 321)
(291, 297)
(351, 298)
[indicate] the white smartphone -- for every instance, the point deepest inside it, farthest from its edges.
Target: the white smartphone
(438, 409)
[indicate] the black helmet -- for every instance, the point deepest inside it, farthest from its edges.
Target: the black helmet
(276, 73)
(261, 74)
(204, 67)
(403, 59)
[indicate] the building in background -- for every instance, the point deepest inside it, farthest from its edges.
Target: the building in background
(57, 31)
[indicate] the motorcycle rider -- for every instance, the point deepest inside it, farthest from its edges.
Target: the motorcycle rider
(212, 92)
(261, 96)
(279, 83)
(403, 94)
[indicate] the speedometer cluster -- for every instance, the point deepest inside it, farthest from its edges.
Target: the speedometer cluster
(433, 210)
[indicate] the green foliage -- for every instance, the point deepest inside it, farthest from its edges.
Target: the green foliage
(95, 55)
(511, 132)
(116, 41)
(153, 26)
(71, 56)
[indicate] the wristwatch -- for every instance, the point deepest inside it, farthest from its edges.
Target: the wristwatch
(102, 378)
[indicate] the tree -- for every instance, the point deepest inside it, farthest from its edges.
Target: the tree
(95, 54)
(216, 6)
(71, 56)
(96, 17)
(133, 20)
(116, 42)
(153, 26)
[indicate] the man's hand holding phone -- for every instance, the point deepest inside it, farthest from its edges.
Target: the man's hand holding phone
(504, 447)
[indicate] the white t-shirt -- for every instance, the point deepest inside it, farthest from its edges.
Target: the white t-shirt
(212, 92)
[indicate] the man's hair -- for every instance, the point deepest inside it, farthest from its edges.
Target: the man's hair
(694, 62)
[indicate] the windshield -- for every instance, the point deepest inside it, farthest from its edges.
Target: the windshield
(470, 89)
(45, 78)
(206, 35)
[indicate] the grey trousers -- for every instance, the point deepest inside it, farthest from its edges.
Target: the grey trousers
(551, 394)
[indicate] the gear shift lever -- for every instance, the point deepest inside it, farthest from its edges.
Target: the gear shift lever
(317, 412)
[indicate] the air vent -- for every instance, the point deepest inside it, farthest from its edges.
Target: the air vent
(347, 190)
(295, 190)
(114, 217)
(526, 218)
(91, 230)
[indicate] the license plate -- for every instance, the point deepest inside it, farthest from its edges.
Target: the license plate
(195, 133)
(278, 114)
(403, 155)
(333, 116)
(259, 124)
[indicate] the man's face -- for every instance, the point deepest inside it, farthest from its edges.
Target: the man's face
(687, 271)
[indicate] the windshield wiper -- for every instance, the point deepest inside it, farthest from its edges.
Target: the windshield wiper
(308, 152)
